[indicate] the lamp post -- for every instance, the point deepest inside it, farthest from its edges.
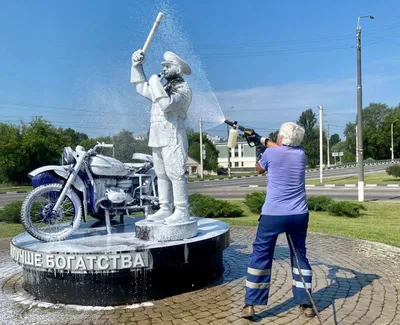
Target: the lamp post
(359, 113)
(391, 131)
(229, 149)
(321, 158)
(201, 150)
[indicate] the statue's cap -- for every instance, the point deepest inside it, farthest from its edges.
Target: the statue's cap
(171, 57)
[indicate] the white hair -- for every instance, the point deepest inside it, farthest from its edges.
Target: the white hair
(291, 134)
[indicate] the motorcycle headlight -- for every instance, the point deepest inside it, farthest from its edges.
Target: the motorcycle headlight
(68, 156)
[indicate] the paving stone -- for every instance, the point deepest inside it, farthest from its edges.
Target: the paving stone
(359, 279)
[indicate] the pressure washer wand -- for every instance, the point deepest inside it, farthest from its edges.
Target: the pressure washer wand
(302, 278)
(233, 134)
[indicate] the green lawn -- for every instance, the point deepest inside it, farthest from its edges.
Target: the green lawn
(380, 223)
(376, 178)
(4, 188)
(211, 177)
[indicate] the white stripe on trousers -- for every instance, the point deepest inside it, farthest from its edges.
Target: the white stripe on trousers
(253, 285)
(300, 285)
(303, 271)
(258, 272)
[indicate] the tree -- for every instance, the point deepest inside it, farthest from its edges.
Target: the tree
(274, 136)
(42, 143)
(211, 161)
(310, 143)
(12, 159)
(307, 120)
(335, 138)
(75, 138)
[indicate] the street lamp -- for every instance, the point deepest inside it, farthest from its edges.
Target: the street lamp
(391, 129)
(229, 149)
(359, 113)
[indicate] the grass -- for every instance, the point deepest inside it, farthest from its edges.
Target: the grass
(211, 177)
(380, 223)
(4, 188)
(376, 178)
(10, 229)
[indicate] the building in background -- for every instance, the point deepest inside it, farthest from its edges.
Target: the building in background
(192, 167)
(242, 157)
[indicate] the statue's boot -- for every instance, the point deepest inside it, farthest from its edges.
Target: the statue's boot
(181, 202)
(165, 199)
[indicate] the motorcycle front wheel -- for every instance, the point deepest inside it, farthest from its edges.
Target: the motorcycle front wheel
(42, 222)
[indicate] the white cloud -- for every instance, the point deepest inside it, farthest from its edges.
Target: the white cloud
(267, 107)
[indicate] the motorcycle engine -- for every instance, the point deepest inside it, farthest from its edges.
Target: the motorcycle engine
(117, 195)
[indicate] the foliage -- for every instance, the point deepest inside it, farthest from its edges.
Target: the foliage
(334, 139)
(345, 209)
(11, 213)
(29, 146)
(334, 207)
(211, 161)
(255, 201)
(319, 203)
(307, 120)
(310, 143)
(393, 170)
(377, 121)
(273, 136)
(208, 207)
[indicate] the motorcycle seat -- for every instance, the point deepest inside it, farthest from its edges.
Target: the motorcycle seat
(136, 166)
(142, 157)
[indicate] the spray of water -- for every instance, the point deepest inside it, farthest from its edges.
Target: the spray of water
(118, 98)
(171, 37)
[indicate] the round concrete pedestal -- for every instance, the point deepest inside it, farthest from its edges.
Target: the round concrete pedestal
(93, 268)
(158, 231)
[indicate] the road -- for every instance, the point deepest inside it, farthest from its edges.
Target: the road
(235, 188)
(261, 180)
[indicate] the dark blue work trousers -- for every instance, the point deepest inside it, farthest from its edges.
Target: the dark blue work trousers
(260, 263)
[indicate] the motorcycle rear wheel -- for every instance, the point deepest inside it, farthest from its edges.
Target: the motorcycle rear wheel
(38, 220)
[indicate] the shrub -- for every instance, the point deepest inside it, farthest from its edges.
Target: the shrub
(393, 170)
(345, 209)
(255, 201)
(11, 213)
(336, 208)
(208, 207)
(319, 203)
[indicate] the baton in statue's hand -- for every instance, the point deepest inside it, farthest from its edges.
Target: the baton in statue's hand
(152, 32)
(138, 56)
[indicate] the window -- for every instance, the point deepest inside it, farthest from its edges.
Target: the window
(242, 163)
(236, 164)
(236, 153)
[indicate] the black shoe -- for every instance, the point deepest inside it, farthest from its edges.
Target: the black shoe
(248, 311)
(307, 310)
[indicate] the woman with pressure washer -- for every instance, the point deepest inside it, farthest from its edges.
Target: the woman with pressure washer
(285, 210)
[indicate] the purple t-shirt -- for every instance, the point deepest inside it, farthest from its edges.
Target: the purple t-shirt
(286, 192)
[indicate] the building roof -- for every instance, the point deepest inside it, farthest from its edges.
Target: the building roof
(192, 162)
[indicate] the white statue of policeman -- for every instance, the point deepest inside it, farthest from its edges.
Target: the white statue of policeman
(168, 140)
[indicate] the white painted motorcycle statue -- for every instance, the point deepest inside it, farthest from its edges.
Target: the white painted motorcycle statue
(89, 184)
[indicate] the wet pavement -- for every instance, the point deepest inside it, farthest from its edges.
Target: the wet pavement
(354, 282)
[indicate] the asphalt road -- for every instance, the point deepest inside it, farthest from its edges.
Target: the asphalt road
(235, 188)
(261, 180)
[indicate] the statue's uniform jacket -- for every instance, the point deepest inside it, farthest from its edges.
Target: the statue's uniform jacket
(167, 131)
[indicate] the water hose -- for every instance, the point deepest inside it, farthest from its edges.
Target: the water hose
(302, 278)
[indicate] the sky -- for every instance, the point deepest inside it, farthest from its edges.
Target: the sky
(258, 62)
